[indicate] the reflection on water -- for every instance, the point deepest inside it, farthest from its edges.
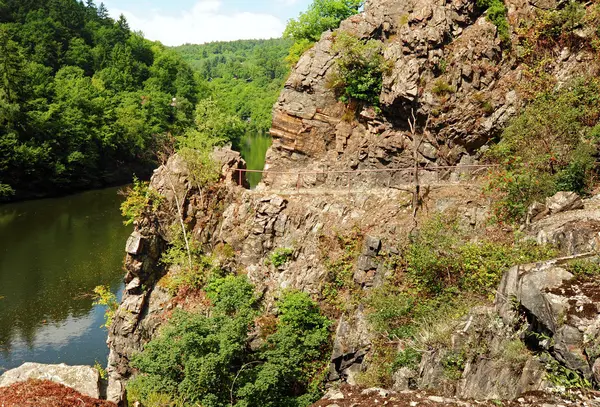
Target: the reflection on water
(254, 147)
(53, 252)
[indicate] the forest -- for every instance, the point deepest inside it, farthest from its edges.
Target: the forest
(84, 100)
(243, 77)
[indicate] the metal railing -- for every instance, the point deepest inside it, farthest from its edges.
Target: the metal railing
(406, 175)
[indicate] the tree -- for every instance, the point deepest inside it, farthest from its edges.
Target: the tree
(322, 15)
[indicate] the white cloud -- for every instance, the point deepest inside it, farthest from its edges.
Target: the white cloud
(205, 22)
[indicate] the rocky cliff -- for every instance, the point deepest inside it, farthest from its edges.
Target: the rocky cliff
(429, 43)
(544, 306)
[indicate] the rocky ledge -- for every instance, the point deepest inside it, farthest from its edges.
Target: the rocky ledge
(374, 397)
(83, 379)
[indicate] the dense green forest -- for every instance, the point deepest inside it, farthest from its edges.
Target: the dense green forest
(243, 77)
(82, 97)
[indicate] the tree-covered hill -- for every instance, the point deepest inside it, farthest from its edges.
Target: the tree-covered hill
(83, 99)
(243, 77)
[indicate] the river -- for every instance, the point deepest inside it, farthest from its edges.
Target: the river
(53, 252)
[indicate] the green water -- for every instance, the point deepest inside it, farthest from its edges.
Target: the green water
(53, 252)
(253, 148)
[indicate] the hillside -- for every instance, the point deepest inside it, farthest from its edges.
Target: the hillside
(244, 77)
(84, 101)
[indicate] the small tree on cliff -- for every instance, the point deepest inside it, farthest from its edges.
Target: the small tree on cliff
(322, 15)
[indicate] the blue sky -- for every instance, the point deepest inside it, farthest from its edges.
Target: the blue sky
(177, 22)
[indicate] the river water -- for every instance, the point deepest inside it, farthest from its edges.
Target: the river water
(53, 252)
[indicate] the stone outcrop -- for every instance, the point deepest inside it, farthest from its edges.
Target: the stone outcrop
(429, 45)
(144, 303)
(574, 230)
(561, 309)
(373, 397)
(83, 379)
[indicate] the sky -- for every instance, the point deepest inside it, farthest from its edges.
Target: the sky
(176, 22)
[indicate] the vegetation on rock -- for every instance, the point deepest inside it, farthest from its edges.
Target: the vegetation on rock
(141, 200)
(438, 276)
(359, 69)
(105, 297)
(552, 146)
(208, 359)
(497, 14)
(322, 15)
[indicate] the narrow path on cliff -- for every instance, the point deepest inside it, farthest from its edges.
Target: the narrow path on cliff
(364, 181)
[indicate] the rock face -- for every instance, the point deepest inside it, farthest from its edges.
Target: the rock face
(144, 302)
(84, 379)
(353, 397)
(563, 310)
(574, 231)
(428, 44)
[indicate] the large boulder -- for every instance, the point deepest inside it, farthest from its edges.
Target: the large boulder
(561, 309)
(84, 379)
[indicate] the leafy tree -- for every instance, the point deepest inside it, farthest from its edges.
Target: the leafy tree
(244, 77)
(83, 100)
(322, 15)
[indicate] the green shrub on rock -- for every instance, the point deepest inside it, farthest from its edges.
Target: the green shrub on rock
(140, 200)
(208, 360)
(359, 69)
(551, 146)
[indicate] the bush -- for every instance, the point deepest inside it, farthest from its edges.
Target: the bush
(280, 256)
(207, 360)
(105, 297)
(409, 358)
(214, 127)
(584, 268)
(551, 146)
(442, 88)
(140, 201)
(497, 14)
(359, 69)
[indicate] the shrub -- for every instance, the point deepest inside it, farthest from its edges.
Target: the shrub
(6, 190)
(297, 50)
(141, 200)
(584, 268)
(515, 353)
(497, 14)
(454, 365)
(409, 358)
(207, 360)
(105, 297)
(359, 69)
(442, 88)
(280, 256)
